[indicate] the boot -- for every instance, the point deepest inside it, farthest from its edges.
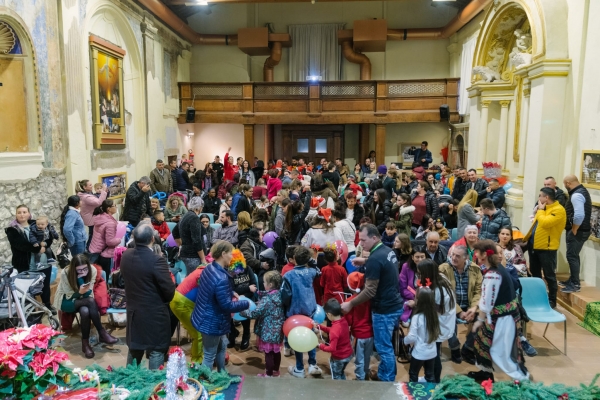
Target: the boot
(86, 348)
(456, 357)
(105, 337)
(232, 335)
(245, 344)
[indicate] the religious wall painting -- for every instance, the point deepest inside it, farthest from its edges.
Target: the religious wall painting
(116, 184)
(590, 169)
(595, 222)
(108, 112)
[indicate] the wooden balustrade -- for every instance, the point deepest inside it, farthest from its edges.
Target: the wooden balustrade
(346, 102)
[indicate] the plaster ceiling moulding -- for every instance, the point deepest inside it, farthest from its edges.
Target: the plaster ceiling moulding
(7, 38)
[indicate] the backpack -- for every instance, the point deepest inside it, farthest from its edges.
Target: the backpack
(279, 246)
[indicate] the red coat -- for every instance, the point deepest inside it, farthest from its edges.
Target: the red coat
(339, 340)
(162, 229)
(287, 268)
(334, 278)
(359, 320)
(227, 169)
(101, 291)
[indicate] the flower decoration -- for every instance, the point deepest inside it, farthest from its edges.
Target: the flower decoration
(11, 356)
(238, 262)
(51, 359)
(487, 386)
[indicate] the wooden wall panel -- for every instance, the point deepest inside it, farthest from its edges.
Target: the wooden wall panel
(348, 105)
(214, 105)
(280, 106)
(416, 104)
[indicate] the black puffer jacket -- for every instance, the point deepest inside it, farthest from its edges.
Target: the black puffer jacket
(359, 212)
(137, 203)
(299, 224)
(382, 214)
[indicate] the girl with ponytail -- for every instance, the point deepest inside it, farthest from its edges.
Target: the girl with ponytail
(89, 202)
(72, 227)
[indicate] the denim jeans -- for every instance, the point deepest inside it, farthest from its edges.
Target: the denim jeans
(215, 348)
(156, 358)
(362, 357)
(383, 327)
(312, 359)
(338, 367)
(545, 260)
(574, 245)
(77, 248)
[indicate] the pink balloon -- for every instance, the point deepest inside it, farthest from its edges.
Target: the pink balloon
(171, 241)
(342, 250)
(121, 229)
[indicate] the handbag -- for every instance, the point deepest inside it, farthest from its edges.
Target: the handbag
(117, 298)
(67, 305)
(64, 256)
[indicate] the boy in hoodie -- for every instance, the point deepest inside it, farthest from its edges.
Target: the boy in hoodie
(339, 339)
(438, 226)
(159, 224)
(42, 232)
(361, 327)
(298, 298)
(389, 235)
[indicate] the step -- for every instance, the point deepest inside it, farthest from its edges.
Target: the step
(575, 303)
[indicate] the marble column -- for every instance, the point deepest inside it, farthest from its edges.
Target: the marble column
(502, 138)
(483, 130)
(523, 131)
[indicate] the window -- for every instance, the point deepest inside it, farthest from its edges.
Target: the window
(302, 145)
(320, 145)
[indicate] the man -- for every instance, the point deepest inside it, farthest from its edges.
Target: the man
(495, 193)
(389, 182)
(294, 165)
(544, 238)
(301, 166)
(579, 216)
(492, 221)
(381, 287)
(366, 167)
(477, 184)
(423, 156)
(137, 201)
(191, 232)
(160, 180)
(286, 178)
(149, 291)
(181, 179)
(434, 250)
(332, 175)
(465, 278)
(459, 185)
(218, 168)
(322, 167)
(342, 169)
(228, 231)
(560, 194)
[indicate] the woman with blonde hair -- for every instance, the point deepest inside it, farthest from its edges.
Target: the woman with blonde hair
(174, 210)
(466, 214)
(244, 224)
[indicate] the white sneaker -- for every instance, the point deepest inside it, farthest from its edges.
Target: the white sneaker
(421, 379)
(297, 374)
(288, 352)
(314, 370)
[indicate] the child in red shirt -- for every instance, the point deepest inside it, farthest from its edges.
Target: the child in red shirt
(333, 276)
(159, 224)
(361, 327)
(339, 339)
(289, 254)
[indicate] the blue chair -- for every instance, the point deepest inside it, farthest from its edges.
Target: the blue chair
(536, 304)
(53, 274)
(215, 226)
(171, 225)
(454, 234)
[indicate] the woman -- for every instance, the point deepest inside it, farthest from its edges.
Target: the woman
(102, 246)
(403, 249)
(354, 210)
(425, 227)
(273, 184)
(214, 305)
(209, 176)
(228, 170)
(424, 202)
(449, 214)
(23, 251)
(499, 316)
(295, 220)
(244, 224)
(345, 226)
(319, 187)
(381, 209)
(251, 250)
(427, 272)
(212, 202)
(322, 233)
(466, 214)
(372, 155)
(407, 282)
(358, 173)
(372, 173)
(196, 190)
(89, 202)
(75, 294)
(245, 202)
(402, 213)
(175, 209)
(226, 205)
(513, 254)
(205, 221)
(154, 205)
(438, 187)
(72, 227)
(247, 173)
(277, 221)
(469, 240)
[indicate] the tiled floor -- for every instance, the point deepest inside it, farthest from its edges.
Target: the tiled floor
(549, 366)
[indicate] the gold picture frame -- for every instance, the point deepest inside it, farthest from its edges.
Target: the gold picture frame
(116, 184)
(108, 105)
(590, 169)
(595, 222)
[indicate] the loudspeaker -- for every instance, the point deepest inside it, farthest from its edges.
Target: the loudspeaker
(444, 112)
(190, 115)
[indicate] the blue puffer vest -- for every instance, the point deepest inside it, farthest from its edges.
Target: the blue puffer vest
(179, 184)
(212, 313)
(298, 292)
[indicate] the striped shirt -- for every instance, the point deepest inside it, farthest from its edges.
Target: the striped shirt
(462, 288)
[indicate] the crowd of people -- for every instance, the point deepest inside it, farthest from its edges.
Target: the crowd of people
(427, 249)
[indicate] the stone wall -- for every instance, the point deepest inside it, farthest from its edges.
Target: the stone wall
(44, 195)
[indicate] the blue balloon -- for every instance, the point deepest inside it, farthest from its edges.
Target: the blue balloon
(319, 315)
(159, 195)
(237, 316)
(349, 267)
(507, 186)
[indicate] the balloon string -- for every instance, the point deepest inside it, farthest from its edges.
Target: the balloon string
(321, 335)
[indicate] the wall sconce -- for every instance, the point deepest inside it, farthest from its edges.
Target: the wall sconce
(190, 134)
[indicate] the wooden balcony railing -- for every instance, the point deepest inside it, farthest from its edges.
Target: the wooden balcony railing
(335, 102)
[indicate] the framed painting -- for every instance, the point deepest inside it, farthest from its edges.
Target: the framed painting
(595, 222)
(116, 184)
(108, 109)
(406, 153)
(590, 169)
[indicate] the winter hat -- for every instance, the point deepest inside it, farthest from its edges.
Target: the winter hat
(325, 213)
(317, 202)
(356, 281)
(238, 263)
(351, 177)
(441, 221)
(382, 169)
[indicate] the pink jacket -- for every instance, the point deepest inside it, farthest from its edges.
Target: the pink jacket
(88, 203)
(104, 240)
(273, 186)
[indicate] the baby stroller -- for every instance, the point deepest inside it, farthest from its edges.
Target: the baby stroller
(18, 306)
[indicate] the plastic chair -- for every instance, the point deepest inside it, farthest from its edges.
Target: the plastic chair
(171, 225)
(215, 226)
(454, 234)
(53, 274)
(536, 304)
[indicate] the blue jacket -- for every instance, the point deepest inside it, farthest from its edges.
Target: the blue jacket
(74, 229)
(420, 154)
(212, 313)
(297, 293)
(497, 196)
(179, 182)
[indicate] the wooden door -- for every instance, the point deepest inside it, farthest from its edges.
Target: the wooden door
(312, 142)
(13, 112)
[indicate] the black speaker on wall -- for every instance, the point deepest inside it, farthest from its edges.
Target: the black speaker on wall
(190, 115)
(444, 112)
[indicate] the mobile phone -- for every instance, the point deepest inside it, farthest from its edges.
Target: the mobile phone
(86, 284)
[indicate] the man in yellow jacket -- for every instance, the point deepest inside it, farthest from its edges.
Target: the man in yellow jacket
(544, 238)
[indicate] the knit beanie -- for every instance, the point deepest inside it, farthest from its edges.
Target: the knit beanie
(382, 169)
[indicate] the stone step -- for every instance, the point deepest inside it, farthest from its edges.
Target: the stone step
(575, 303)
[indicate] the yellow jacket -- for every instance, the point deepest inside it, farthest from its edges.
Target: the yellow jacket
(550, 223)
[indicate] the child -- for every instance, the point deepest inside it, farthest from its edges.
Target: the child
(402, 213)
(361, 327)
(333, 276)
(423, 333)
(98, 189)
(389, 235)
(263, 204)
(268, 327)
(438, 227)
(42, 232)
(298, 297)
(339, 340)
(289, 254)
(159, 224)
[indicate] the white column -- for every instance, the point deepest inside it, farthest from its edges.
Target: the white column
(483, 130)
(523, 131)
(502, 138)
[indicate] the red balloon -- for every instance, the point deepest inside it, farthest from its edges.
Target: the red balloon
(294, 321)
(342, 250)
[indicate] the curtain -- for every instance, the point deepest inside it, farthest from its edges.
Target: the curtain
(466, 67)
(315, 52)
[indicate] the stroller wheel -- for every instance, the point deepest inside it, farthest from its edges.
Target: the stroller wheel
(54, 323)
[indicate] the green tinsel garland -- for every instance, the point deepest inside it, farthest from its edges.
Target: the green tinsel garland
(464, 387)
